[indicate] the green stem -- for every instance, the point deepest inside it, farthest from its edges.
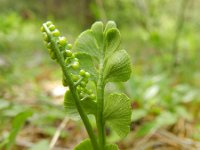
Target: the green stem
(100, 104)
(73, 91)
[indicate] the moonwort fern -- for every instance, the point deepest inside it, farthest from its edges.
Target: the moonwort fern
(94, 57)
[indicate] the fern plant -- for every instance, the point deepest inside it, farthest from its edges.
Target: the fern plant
(95, 57)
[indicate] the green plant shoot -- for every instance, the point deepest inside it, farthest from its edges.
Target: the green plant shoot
(95, 57)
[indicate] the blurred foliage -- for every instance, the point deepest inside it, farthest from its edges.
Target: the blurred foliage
(162, 37)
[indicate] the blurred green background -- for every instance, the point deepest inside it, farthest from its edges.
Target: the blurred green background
(162, 37)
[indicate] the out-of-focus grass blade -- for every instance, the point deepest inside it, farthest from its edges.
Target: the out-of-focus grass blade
(17, 124)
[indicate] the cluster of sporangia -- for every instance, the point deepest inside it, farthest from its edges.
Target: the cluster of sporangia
(80, 80)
